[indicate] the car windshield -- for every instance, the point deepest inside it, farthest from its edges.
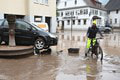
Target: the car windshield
(37, 27)
(1, 21)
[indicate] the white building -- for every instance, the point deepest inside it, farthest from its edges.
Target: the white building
(82, 12)
(36, 11)
(113, 7)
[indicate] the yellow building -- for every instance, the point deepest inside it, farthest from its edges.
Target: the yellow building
(36, 11)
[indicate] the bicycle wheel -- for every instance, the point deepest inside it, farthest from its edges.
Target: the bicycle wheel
(100, 53)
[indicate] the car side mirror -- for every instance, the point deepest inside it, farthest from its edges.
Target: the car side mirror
(30, 29)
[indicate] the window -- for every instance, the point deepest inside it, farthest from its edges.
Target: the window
(100, 13)
(61, 13)
(38, 18)
(84, 21)
(43, 1)
(108, 12)
(58, 14)
(115, 20)
(33, 28)
(85, 11)
(110, 21)
(6, 24)
(36, 1)
(96, 12)
(75, 2)
(73, 22)
(81, 11)
(46, 1)
(1, 21)
(79, 22)
(68, 22)
(117, 11)
(72, 12)
(22, 25)
(65, 3)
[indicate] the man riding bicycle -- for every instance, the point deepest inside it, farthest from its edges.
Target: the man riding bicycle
(91, 34)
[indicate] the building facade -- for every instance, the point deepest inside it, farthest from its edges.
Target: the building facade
(113, 8)
(79, 13)
(34, 11)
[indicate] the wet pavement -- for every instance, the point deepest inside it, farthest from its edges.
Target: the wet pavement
(61, 65)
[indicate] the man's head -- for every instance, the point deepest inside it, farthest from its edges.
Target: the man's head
(94, 24)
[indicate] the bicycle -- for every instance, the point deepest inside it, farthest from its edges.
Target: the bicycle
(95, 49)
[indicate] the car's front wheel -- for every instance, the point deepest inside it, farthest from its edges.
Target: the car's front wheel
(39, 43)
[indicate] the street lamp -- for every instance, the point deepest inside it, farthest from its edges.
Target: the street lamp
(72, 50)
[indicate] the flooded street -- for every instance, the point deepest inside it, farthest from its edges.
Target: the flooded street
(61, 65)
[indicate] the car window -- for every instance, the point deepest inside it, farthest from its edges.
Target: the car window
(34, 29)
(22, 25)
(1, 21)
(5, 24)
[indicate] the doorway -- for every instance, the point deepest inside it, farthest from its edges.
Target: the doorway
(62, 28)
(48, 21)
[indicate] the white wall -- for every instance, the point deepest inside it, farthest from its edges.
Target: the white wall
(82, 17)
(70, 3)
(112, 16)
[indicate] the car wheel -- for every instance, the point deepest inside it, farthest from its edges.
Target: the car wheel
(107, 31)
(39, 43)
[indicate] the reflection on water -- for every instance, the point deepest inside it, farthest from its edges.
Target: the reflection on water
(77, 40)
(112, 40)
(76, 67)
(79, 68)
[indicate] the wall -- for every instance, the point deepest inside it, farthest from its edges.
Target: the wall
(112, 16)
(44, 10)
(13, 6)
(30, 9)
(70, 3)
(87, 16)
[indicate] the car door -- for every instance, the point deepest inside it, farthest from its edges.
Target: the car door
(5, 30)
(24, 34)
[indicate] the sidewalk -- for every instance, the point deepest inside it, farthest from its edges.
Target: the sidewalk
(5, 50)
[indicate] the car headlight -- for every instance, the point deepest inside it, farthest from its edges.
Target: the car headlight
(52, 35)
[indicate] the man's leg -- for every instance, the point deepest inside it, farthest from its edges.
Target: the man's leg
(94, 47)
(88, 46)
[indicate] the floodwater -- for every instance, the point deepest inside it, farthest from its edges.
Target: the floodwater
(61, 65)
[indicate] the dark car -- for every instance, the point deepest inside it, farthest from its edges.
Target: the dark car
(27, 34)
(105, 29)
(108, 29)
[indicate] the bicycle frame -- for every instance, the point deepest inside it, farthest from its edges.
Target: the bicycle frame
(95, 49)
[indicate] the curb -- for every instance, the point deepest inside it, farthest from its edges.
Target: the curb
(16, 52)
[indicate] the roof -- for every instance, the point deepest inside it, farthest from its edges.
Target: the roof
(95, 4)
(89, 3)
(113, 5)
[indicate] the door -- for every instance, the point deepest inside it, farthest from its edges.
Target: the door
(62, 25)
(24, 34)
(48, 21)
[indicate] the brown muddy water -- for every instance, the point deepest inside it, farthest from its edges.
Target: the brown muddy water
(61, 65)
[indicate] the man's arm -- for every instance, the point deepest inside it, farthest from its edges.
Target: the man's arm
(88, 31)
